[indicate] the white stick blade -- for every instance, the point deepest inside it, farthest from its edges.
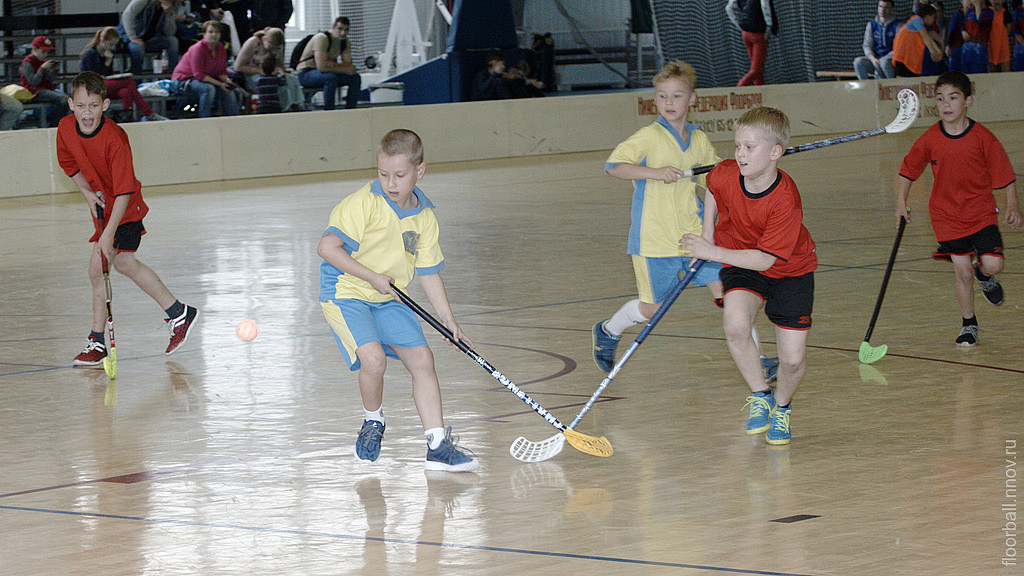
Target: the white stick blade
(907, 113)
(526, 451)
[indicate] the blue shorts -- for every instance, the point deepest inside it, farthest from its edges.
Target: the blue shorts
(357, 322)
(656, 277)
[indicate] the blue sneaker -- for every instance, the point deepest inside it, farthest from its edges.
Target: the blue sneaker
(770, 367)
(448, 458)
(604, 348)
(762, 406)
(778, 433)
(368, 443)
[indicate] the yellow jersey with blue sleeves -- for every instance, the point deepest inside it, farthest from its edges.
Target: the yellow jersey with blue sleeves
(385, 239)
(661, 213)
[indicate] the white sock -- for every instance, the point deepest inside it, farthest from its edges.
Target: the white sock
(434, 437)
(627, 316)
(377, 414)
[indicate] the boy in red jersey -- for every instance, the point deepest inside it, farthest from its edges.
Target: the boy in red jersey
(94, 152)
(968, 165)
(768, 258)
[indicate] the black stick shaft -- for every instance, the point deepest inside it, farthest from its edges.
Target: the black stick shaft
(508, 384)
(885, 279)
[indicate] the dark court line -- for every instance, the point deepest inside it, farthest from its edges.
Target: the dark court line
(338, 536)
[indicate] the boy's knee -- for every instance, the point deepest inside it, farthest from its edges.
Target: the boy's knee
(991, 265)
(372, 360)
(419, 356)
(736, 329)
(124, 263)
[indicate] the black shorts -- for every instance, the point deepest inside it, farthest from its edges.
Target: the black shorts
(988, 240)
(128, 236)
(788, 301)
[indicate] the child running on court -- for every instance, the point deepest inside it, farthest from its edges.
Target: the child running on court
(94, 151)
(383, 234)
(665, 206)
(768, 257)
(968, 165)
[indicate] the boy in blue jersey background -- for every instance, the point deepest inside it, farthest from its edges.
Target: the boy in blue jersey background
(383, 234)
(665, 206)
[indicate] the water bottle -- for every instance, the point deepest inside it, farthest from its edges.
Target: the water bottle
(160, 64)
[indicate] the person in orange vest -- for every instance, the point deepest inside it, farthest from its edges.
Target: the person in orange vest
(913, 39)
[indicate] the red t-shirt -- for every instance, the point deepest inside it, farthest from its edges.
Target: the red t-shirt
(965, 169)
(105, 159)
(771, 221)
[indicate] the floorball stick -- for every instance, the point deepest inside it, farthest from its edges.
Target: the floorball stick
(528, 451)
(586, 444)
(110, 361)
(905, 116)
(870, 354)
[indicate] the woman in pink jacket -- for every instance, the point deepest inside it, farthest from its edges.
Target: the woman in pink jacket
(203, 74)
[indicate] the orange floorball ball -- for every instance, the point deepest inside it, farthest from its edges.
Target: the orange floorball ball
(247, 330)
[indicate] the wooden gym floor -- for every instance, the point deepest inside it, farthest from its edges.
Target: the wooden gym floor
(235, 458)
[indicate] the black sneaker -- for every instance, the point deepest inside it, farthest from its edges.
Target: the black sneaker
(968, 337)
(990, 288)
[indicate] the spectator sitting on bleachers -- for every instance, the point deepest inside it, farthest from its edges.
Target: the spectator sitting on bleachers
(10, 111)
(914, 44)
(212, 10)
(37, 75)
(879, 35)
(490, 82)
(930, 66)
(319, 67)
(203, 74)
(520, 84)
(268, 85)
(148, 25)
(98, 57)
(248, 66)
(188, 25)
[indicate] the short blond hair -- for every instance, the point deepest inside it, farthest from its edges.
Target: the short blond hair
(771, 122)
(402, 142)
(677, 69)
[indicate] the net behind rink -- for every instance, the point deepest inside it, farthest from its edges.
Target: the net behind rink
(820, 35)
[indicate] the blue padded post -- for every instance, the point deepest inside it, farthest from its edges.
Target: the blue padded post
(482, 25)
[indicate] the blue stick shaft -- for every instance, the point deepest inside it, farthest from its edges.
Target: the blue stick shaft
(676, 291)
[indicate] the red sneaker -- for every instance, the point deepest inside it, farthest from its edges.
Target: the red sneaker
(180, 327)
(93, 354)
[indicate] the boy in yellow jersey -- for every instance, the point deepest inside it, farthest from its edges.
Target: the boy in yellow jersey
(383, 234)
(665, 206)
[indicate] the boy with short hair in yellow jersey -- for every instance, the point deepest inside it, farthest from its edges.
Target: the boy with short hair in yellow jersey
(382, 235)
(665, 206)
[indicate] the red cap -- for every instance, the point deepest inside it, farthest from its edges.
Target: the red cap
(42, 42)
